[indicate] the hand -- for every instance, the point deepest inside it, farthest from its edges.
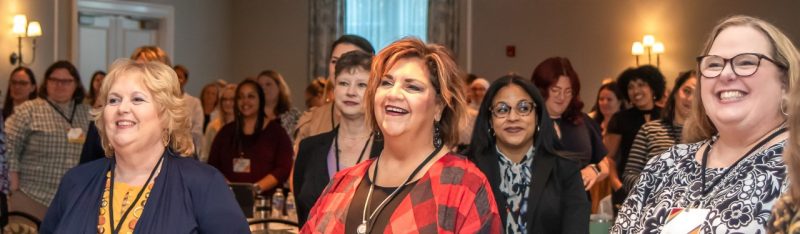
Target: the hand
(589, 177)
(14, 180)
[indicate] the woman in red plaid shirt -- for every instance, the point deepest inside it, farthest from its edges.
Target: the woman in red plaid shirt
(415, 185)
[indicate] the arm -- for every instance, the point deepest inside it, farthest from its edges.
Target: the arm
(208, 141)
(636, 159)
(92, 148)
(612, 142)
(282, 159)
(575, 206)
(597, 170)
(17, 127)
(217, 209)
(475, 221)
(196, 112)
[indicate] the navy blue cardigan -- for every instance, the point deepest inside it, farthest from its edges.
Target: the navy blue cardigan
(188, 197)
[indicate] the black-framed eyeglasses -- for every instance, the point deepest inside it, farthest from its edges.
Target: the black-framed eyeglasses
(502, 109)
(60, 82)
(744, 65)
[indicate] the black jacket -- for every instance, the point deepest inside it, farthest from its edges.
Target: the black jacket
(310, 175)
(557, 202)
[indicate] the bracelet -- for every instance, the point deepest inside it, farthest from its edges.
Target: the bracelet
(594, 167)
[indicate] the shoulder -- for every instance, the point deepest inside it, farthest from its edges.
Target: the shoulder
(316, 140)
(457, 169)
(30, 105)
(83, 173)
(193, 172)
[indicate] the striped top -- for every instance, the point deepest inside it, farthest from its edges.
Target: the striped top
(653, 138)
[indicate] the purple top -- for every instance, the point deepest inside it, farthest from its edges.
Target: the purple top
(332, 161)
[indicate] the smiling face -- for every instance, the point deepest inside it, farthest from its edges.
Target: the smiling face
(406, 101)
(20, 87)
(746, 102)
(684, 97)
(608, 102)
(247, 101)
(515, 130)
(560, 95)
(349, 92)
(130, 114)
(641, 94)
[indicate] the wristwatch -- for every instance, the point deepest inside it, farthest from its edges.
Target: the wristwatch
(256, 188)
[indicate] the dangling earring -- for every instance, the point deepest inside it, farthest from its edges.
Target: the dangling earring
(437, 135)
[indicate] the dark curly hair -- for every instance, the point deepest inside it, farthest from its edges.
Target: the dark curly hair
(647, 73)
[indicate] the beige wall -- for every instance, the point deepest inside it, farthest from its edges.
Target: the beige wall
(271, 35)
(597, 35)
(202, 40)
(46, 46)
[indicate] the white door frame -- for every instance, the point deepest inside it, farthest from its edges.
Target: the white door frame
(164, 13)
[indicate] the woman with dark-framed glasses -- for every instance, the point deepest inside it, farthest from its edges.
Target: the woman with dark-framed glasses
(732, 173)
(536, 190)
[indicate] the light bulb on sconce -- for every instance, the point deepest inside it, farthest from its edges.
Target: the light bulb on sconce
(24, 29)
(650, 45)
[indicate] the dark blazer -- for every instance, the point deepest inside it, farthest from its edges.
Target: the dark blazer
(557, 202)
(188, 197)
(311, 170)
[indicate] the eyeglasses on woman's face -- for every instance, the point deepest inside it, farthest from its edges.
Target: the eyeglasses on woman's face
(743, 65)
(502, 109)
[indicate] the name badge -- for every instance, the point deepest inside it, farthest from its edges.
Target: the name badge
(75, 135)
(241, 165)
(685, 220)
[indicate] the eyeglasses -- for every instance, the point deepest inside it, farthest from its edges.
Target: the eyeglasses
(20, 83)
(60, 82)
(502, 109)
(743, 65)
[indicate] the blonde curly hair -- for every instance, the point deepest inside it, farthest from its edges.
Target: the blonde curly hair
(162, 82)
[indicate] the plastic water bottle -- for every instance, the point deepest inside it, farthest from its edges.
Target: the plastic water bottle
(278, 203)
(291, 211)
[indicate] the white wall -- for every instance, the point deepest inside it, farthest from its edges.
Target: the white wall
(597, 35)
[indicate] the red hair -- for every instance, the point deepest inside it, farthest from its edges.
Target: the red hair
(546, 75)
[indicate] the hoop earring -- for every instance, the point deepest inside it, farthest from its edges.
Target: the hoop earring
(437, 135)
(783, 108)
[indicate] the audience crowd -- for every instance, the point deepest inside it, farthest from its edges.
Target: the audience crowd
(403, 140)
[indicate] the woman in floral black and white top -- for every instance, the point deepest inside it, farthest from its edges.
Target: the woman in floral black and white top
(731, 177)
(536, 190)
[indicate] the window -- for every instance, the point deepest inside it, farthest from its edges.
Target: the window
(384, 21)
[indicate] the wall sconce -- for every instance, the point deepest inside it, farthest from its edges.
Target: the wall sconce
(23, 29)
(650, 45)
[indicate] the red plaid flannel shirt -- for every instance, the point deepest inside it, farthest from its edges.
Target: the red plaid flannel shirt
(452, 197)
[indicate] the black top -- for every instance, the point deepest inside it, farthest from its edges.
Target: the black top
(557, 202)
(355, 211)
(92, 148)
(311, 173)
(627, 123)
(583, 139)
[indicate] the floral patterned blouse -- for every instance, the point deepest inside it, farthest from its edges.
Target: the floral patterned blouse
(515, 185)
(740, 202)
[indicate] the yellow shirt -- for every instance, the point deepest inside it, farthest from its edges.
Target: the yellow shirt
(124, 195)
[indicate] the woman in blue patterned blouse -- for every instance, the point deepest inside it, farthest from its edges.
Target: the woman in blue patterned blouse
(536, 190)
